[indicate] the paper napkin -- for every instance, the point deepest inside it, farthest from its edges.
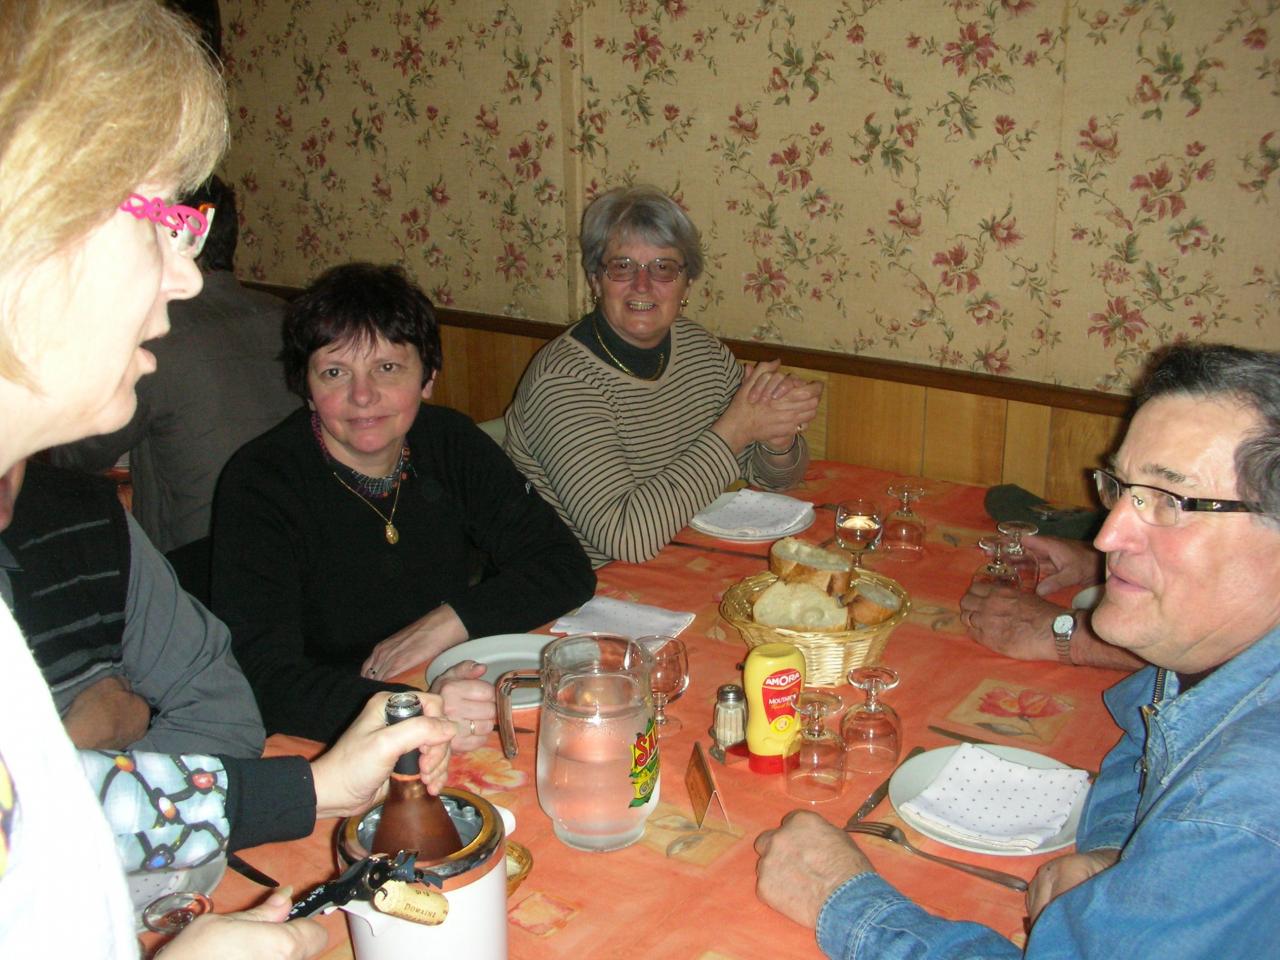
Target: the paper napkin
(980, 797)
(621, 617)
(749, 513)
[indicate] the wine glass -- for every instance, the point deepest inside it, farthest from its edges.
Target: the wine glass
(858, 526)
(172, 912)
(815, 773)
(996, 571)
(903, 537)
(872, 731)
(1017, 556)
(668, 679)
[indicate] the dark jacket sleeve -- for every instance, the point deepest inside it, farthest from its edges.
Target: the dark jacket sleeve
(537, 568)
(269, 800)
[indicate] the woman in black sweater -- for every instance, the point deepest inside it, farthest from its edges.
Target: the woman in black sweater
(344, 537)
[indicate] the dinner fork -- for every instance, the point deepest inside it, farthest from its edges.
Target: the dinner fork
(887, 831)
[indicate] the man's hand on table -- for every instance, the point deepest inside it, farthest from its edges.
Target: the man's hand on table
(1010, 622)
(1064, 563)
(1061, 874)
(107, 715)
(802, 863)
(251, 934)
(468, 702)
(351, 776)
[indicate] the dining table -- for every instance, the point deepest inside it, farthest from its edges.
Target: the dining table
(689, 890)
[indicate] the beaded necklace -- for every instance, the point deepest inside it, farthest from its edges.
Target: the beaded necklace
(367, 488)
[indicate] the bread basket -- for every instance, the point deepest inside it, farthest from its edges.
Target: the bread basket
(828, 655)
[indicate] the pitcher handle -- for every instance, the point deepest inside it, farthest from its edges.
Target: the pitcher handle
(503, 687)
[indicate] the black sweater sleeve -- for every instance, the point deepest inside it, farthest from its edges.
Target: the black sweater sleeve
(269, 800)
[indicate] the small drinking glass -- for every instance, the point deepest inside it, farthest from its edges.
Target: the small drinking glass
(996, 571)
(668, 679)
(872, 731)
(903, 537)
(817, 774)
(172, 912)
(1023, 561)
(858, 526)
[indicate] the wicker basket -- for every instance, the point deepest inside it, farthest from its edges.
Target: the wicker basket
(828, 656)
(519, 863)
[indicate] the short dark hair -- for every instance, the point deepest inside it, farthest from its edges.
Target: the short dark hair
(1251, 377)
(219, 251)
(358, 302)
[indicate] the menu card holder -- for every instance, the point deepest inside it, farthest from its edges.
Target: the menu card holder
(702, 787)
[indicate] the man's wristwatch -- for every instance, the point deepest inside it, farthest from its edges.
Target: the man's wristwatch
(1064, 625)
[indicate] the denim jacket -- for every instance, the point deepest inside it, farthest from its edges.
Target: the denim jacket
(1198, 834)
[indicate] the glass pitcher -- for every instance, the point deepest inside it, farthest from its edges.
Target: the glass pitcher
(597, 744)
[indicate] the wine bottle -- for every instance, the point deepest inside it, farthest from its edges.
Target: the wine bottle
(412, 819)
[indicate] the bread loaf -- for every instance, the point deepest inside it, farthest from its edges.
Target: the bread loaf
(794, 561)
(869, 603)
(799, 606)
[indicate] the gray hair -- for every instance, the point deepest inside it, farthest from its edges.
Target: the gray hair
(640, 212)
(1251, 377)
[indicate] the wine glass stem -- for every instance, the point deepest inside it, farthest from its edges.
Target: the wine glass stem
(659, 709)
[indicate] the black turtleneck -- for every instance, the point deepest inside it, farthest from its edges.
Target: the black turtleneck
(646, 363)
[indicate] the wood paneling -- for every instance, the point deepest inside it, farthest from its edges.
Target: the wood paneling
(963, 437)
(877, 423)
(1026, 445)
(1078, 441)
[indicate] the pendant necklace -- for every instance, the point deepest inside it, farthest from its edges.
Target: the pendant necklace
(662, 357)
(389, 531)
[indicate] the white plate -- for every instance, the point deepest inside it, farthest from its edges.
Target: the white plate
(506, 651)
(910, 779)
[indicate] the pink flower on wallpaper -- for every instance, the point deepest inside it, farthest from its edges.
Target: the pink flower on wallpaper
(283, 120)
(1146, 91)
(430, 17)
(1256, 38)
(308, 242)
(566, 39)
(642, 46)
(442, 296)
(777, 81)
(380, 187)
(1004, 124)
(816, 204)
(955, 273)
(1015, 7)
(1030, 58)
(908, 221)
(1191, 236)
(1205, 170)
(671, 111)
(913, 41)
(409, 56)
(1004, 232)
(1026, 704)
(675, 8)
(1104, 143)
(856, 34)
(250, 183)
(1078, 232)
(745, 125)
(415, 226)
(314, 155)
(486, 120)
(766, 279)
(907, 132)
(971, 47)
(995, 360)
(1155, 200)
(1195, 148)
(1120, 321)
(527, 165)
(792, 173)
(511, 260)
(984, 310)
(439, 196)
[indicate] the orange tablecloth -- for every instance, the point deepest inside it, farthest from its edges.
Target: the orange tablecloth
(685, 892)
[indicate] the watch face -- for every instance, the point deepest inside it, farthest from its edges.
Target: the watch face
(1064, 623)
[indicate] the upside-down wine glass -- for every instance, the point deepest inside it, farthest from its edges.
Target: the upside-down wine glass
(996, 571)
(858, 526)
(172, 912)
(903, 537)
(1023, 561)
(872, 731)
(817, 774)
(668, 679)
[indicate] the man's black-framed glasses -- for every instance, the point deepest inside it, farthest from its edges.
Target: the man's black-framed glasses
(1158, 507)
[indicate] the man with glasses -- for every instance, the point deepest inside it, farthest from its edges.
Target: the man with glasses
(1178, 849)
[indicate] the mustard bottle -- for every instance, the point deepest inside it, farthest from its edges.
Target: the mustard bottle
(772, 677)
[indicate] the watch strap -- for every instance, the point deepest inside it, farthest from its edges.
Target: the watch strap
(1062, 640)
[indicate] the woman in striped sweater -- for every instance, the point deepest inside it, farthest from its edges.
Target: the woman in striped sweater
(636, 418)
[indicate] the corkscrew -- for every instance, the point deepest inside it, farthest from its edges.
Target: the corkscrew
(361, 879)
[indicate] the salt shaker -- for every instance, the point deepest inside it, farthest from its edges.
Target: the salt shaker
(730, 724)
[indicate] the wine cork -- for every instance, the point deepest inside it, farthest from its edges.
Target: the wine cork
(411, 901)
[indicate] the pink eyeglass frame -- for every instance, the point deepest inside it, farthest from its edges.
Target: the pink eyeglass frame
(176, 216)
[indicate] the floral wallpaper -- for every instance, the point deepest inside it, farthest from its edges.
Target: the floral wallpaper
(1042, 189)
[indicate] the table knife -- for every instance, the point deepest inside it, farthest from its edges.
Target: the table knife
(963, 738)
(879, 792)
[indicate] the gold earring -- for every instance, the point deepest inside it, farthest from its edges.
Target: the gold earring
(684, 303)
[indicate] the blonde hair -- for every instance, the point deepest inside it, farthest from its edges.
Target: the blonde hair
(96, 98)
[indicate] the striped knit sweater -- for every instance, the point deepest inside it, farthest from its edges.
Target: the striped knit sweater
(626, 462)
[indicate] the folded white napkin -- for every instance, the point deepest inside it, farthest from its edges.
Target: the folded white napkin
(981, 797)
(748, 513)
(607, 615)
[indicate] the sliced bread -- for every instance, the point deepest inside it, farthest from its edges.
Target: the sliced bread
(794, 561)
(799, 606)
